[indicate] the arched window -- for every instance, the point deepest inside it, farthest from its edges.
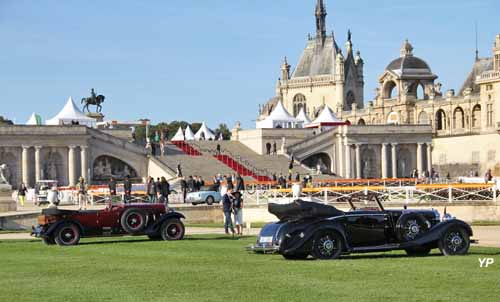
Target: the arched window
(440, 120)
(390, 90)
(361, 122)
(299, 101)
(476, 116)
(458, 118)
(423, 118)
(349, 100)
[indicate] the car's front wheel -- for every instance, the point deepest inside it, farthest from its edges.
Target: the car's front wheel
(210, 200)
(455, 241)
(327, 245)
(172, 229)
(67, 234)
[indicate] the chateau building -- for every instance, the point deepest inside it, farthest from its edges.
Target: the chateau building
(464, 123)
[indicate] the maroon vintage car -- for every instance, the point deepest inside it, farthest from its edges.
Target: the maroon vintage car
(66, 227)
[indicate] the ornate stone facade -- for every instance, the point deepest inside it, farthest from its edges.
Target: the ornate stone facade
(464, 125)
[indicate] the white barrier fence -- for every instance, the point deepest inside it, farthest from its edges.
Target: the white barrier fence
(404, 194)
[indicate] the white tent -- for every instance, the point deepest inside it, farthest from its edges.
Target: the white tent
(325, 119)
(34, 120)
(188, 134)
(71, 114)
(179, 135)
(207, 133)
(279, 118)
(303, 117)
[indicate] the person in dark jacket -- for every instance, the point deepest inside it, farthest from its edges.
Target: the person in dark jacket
(184, 189)
(151, 189)
(179, 170)
(164, 190)
(240, 184)
(190, 184)
(227, 208)
(218, 149)
(297, 176)
(201, 182)
(112, 187)
(127, 187)
(229, 182)
(21, 194)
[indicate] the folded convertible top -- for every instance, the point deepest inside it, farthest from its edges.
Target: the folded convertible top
(300, 209)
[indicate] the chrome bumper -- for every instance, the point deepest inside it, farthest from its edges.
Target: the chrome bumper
(263, 249)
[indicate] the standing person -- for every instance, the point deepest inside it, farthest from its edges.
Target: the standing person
(190, 184)
(274, 177)
(216, 182)
(151, 189)
(164, 190)
(158, 189)
(297, 177)
(275, 150)
(230, 184)
(488, 176)
(227, 208)
(201, 182)
(179, 170)
(290, 166)
(218, 149)
(238, 212)
(112, 190)
(183, 189)
(240, 183)
(21, 194)
(82, 194)
(127, 188)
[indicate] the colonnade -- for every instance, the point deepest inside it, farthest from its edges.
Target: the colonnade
(349, 168)
(72, 164)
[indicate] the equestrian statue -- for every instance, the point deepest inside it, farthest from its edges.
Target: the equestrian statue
(95, 100)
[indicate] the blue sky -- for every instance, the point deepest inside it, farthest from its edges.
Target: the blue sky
(214, 60)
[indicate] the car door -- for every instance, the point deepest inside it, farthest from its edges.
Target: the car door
(367, 229)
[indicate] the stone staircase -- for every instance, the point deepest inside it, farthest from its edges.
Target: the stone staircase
(312, 145)
(266, 164)
(202, 165)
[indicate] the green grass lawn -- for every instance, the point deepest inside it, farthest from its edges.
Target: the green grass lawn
(211, 268)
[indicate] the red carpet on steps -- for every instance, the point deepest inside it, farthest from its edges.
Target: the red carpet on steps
(187, 148)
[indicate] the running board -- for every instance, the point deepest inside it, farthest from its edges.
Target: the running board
(376, 248)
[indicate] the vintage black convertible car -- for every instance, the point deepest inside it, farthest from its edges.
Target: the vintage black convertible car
(324, 232)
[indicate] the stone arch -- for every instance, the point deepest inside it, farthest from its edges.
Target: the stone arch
(361, 122)
(105, 166)
(476, 116)
(423, 118)
(349, 100)
(458, 118)
(299, 101)
(440, 120)
(404, 162)
(12, 162)
(417, 90)
(321, 158)
(388, 90)
(369, 167)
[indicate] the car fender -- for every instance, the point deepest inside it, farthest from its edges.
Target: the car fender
(436, 232)
(309, 233)
(52, 228)
(157, 224)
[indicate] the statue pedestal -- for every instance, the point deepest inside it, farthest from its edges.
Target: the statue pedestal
(97, 116)
(7, 204)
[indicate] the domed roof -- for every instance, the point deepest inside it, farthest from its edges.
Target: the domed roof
(407, 61)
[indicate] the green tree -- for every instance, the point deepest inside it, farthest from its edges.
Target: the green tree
(5, 121)
(226, 133)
